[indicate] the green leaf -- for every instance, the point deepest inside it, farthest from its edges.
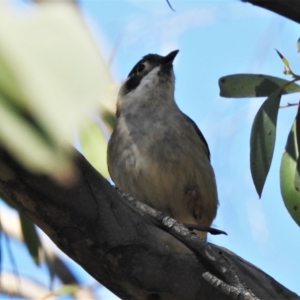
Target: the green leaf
(27, 143)
(65, 289)
(262, 141)
(253, 85)
(48, 84)
(31, 238)
(284, 60)
(289, 193)
(50, 268)
(94, 146)
(7, 200)
(297, 171)
(297, 175)
(109, 118)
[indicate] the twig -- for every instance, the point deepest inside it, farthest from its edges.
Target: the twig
(289, 105)
(231, 291)
(170, 5)
(213, 231)
(217, 261)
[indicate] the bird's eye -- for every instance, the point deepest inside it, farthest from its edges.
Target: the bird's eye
(140, 68)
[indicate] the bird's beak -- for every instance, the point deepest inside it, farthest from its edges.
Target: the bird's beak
(168, 60)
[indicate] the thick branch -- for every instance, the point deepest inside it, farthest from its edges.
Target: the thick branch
(120, 247)
(287, 8)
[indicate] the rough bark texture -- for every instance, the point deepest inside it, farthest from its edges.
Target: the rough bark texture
(287, 8)
(117, 245)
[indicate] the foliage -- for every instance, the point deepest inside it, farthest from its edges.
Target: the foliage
(263, 133)
(48, 87)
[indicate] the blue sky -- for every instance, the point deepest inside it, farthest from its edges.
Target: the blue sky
(218, 38)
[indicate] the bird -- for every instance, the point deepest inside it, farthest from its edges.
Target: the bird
(156, 153)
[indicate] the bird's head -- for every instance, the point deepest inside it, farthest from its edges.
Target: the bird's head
(151, 78)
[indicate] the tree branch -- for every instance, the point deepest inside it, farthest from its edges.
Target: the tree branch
(132, 253)
(289, 9)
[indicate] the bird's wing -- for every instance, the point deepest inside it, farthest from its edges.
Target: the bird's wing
(201, 136)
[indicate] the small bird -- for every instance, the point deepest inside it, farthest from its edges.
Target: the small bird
(156, 153)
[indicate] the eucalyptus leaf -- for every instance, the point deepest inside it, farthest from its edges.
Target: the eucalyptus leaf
(31, 238)
(94, 145)
(109, 118)
(253, 85)
(262, 141)
(50, 268)
(47, 84)
(285, 61)
(65, 289)
(289, 193)
(27, 143)
(7, 200)
(297, 171)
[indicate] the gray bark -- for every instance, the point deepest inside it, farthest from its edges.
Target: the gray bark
(134, 254)
(287, 8)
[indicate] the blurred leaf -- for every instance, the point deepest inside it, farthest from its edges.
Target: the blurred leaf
(109, 118)
(53, 1)
(7, 200)
(262, 141)
(94, 146)
(253, 85)
(298, 45)
(290, 195)
(31, 238)
(27, 143)
(48, 84)
(65, 289)
(10, 253)
(49, 264)
(297, 171)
